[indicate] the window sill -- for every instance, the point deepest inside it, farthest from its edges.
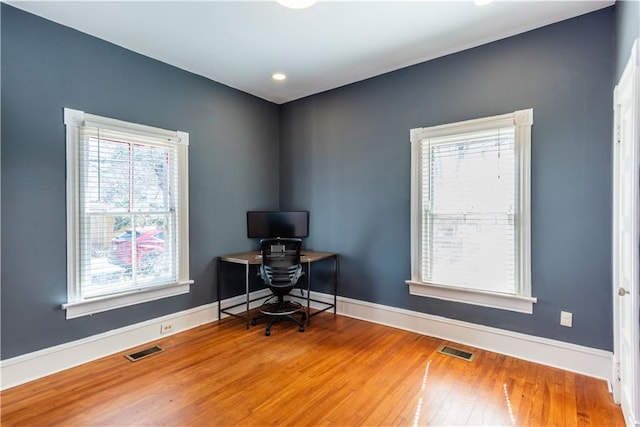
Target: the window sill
(469, 296)
(111, 302)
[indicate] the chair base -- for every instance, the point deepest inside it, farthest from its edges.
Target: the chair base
(279, 311)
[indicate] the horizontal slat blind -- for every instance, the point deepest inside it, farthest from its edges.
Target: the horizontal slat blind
(469, 210)
(127, 209)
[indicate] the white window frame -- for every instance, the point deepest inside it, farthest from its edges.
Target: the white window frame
(75, 305)
(522, 301)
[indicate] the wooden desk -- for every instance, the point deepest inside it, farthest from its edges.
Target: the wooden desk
(254, 258)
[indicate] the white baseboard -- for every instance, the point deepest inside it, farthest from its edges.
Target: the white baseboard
(558, 354)
(570, 357)
(31, 366)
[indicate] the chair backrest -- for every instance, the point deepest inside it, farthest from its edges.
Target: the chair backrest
(281, 262)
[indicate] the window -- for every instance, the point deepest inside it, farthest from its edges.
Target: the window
(470, 232)
(127, 213)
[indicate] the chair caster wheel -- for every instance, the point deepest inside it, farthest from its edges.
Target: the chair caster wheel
(301, 329)
(267, 333)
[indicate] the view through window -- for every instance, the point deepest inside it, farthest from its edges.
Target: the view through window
(127, 209)
(471, 210)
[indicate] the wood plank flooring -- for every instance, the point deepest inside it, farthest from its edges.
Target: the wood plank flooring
(339, 372)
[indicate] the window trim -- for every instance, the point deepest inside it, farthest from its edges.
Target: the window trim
(523, 301)
(75, 307)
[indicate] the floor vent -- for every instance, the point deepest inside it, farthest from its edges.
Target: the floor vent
(144, 353)
(461, 354)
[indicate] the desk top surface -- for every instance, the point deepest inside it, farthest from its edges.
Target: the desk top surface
(254, 257)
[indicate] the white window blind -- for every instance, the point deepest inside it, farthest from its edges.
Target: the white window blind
(128, 212)
(470, 232)
(468, 228)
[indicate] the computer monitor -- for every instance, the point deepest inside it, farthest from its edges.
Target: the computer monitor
(265, 224)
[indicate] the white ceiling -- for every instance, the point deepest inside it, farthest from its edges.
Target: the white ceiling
(333, 43)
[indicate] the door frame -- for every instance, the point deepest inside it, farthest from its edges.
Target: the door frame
(630, 77)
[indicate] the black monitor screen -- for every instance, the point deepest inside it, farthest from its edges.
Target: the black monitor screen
(263, 224)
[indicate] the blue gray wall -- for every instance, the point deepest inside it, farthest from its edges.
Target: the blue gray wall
(626, 31)
(345, 157)
(233, 145)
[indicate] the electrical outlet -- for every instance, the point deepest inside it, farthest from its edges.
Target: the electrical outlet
(566, 319)
(165, 328)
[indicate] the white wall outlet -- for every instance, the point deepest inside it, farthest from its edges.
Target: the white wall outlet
(165, 328)
(566, 319)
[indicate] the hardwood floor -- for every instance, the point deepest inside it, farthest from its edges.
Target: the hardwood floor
(340, 371)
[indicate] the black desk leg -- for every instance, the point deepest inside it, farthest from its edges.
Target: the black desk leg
(219, 280)
(246, 282)
(308, 293)
(335, 283)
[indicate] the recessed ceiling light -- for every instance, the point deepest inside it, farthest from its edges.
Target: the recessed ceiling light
(297, 4)
(278, 76)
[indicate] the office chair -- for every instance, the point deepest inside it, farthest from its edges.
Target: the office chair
(280, 271)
